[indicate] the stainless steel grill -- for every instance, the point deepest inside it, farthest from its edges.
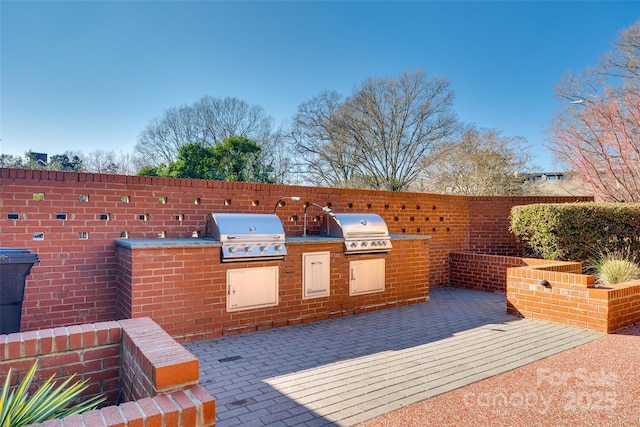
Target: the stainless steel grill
(247, 236)
(362, 233)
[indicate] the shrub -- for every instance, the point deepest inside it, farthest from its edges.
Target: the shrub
(576, 231)
(19, 408)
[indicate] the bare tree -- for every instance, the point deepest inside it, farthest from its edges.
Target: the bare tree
(601, 142)
(160, 140)
(330, 157)
(222, 118)
(481, 162)
(110, 162)
(597, 132)
(209, 121)
(382, 136)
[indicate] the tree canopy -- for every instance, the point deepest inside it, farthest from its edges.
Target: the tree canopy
(208, 122)
(235, 159)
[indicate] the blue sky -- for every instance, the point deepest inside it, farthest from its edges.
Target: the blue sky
(89, 75)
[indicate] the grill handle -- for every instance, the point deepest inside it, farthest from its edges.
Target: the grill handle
(366, 233)
(254, 237)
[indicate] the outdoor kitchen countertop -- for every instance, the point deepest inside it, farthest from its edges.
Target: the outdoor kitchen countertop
(187, 242)
(190, 242)
(409, 237)
(320, 238)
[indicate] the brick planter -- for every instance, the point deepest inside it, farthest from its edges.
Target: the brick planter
(555, 292)
(567, 296)
(132, 361)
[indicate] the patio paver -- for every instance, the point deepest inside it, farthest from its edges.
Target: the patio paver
(343, 371)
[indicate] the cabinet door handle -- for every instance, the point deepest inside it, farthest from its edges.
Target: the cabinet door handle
(353, 276)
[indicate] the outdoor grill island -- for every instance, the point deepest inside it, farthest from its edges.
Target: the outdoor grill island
(245, 274)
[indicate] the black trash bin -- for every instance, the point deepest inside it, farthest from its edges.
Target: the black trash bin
(15, 266)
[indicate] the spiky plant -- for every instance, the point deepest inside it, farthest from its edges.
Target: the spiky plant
(616, 267)
(48, 402)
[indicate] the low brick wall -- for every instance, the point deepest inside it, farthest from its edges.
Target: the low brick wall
(570, 298)
(485, 272)
(130, 360)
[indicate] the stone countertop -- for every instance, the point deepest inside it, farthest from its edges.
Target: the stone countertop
(330, 239)
(409, 237)
(167, 243)
(209, 243)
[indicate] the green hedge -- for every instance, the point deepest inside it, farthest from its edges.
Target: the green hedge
(576, 231)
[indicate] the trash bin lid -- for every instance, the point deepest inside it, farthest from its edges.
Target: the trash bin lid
(17, 256)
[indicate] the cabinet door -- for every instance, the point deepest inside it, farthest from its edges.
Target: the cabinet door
(366, 276)
(316, 274)
(249, 288)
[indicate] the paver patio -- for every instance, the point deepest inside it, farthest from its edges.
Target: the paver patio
(343, 371)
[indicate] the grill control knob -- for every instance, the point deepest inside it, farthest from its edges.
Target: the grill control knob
(277, 248)
(383, 242)
(375, 243)
(263, 248)
(363, 244)
(232, 250)
(248, 249)
(354, 244)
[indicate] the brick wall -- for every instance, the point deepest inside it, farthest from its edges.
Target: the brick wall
(570, 298)
(183, 289)
(489, 223)
(116, 357)
(486, 272)
(153, 363)
(624, 304)
(74, 283)
(90, 351)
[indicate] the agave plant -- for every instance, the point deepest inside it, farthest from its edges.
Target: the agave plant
(48, 402)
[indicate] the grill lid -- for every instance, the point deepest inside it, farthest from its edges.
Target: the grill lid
(231, 226)
(247, 236)
(361, 232)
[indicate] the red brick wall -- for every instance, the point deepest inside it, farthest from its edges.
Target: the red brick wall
(90, 351)
(480, 272)
(485, 272)
(184, 289)
(624, 304)
(148, 372)
(571, 298)
(114, 357)
(489, 223)
(75, 281)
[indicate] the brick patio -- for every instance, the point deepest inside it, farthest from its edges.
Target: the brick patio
(343, 371)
